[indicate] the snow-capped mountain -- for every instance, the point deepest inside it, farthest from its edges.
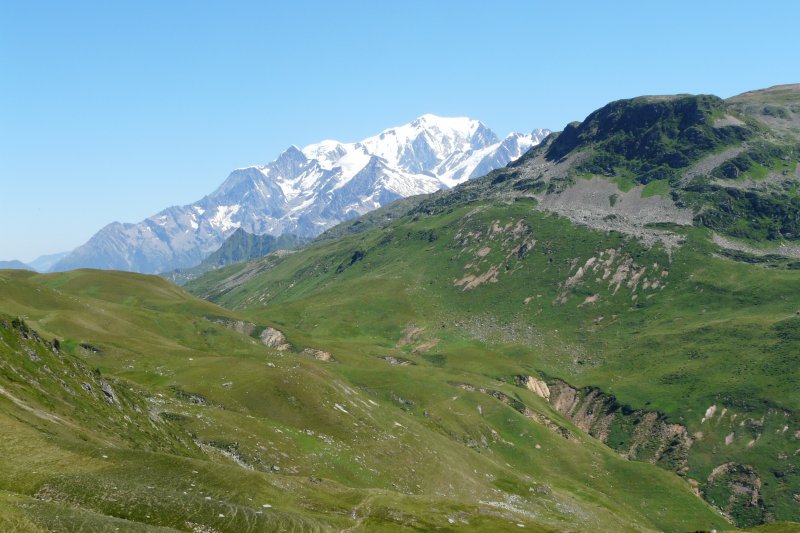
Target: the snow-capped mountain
(306, 191)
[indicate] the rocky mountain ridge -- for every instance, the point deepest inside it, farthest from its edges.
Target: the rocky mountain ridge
(240, 246)
(306, 191)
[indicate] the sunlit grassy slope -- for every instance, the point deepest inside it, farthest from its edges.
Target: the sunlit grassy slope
(499, 289)
(152, 410)
(646, 257)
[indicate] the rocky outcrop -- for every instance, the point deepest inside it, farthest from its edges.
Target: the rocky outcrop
(736, 490)
(537, 386)
(399, 361)
(108, 392)
(519, 407)
(239, 326)
(637, 434)
(191, 397)
(273, 338)
(319, 355)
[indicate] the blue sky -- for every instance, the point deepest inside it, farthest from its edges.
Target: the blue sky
(116, 110)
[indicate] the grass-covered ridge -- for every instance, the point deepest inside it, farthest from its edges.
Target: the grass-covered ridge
(730, 164)
(651, 138)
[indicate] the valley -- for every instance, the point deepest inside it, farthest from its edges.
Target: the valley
(601, 336)
(202, 427)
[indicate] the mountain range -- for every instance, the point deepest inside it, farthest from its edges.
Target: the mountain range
(46, 262)
(41, 264)
(14, 264)
(603, 335)
(240, 246)
(306, 191)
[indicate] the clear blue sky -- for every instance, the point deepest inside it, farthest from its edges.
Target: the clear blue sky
(116, 110)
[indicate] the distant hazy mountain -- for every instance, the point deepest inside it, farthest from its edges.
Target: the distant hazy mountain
(15, 265)
(44, 263)
(240, 246)
(306, 191)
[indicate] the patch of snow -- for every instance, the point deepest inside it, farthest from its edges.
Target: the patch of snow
(222, 219)
(351, 164)
(305, 203)
(327, 152)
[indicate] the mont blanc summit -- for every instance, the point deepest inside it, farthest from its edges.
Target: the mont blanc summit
(306, 191)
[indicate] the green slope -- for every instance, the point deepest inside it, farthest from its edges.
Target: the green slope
(207, 425)
(664, 304)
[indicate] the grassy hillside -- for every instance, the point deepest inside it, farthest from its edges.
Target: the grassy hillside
(156, 409)
(604, 259)
(603, 336)
(675, 334)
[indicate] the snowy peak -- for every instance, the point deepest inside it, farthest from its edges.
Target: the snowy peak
(290, 163)
(427, 147)
(540, 134)
(427, 141)
(326, 152)
(306, 191)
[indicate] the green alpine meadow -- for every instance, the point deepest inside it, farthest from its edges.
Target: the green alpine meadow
(602, 335)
